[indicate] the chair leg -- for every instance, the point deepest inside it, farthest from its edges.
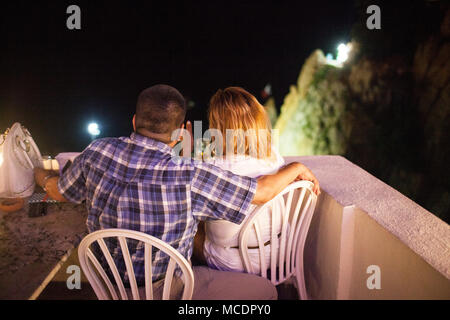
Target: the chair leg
(300, 274)
(301, 289)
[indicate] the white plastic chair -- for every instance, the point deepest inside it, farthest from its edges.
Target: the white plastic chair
(88, 261)
(295, 207)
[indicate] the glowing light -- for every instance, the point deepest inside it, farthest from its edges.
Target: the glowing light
(93, 129)
(1, 159)
(329, 58)
(343, 51)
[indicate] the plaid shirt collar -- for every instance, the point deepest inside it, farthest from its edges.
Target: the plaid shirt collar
(150, 143)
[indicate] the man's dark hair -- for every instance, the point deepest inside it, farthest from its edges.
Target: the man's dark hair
(160, 109)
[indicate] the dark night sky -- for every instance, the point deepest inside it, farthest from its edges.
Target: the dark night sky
(54, 80)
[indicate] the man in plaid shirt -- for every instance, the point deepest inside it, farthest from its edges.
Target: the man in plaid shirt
(134, 183)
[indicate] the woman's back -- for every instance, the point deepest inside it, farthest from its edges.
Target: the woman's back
(221, 243)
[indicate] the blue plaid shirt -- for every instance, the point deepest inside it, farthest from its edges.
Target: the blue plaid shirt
(132, 183)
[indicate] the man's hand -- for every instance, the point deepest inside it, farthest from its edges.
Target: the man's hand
(40, 175)
(48, 180)
(180, 137)
(189, 129)
(306, 174)
(271, 185)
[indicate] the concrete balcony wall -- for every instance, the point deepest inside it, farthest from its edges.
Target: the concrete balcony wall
(360, 221)
(322, 249)
(404, 274)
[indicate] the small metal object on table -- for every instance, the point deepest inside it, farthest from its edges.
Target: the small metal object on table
(38, 204)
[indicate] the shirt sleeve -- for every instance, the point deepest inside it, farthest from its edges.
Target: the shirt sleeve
(72, 183)
(219, 194)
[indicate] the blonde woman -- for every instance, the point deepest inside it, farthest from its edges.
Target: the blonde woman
(241, 119)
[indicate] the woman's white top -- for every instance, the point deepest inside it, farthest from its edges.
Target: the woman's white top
(222, 237)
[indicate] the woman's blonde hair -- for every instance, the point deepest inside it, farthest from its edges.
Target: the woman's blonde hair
(237, 110)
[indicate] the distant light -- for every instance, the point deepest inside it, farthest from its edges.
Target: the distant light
(1, 158)
(93, 129)
(329, 57)
(343, 51)
(268, 89)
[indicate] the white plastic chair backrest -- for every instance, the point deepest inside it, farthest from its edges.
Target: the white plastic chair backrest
(88, 262)
(19, 155)
(292, 209)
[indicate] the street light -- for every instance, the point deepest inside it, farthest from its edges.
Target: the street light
(93, 129)
(343, 51)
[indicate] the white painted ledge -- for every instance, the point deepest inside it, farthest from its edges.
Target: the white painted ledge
(417, 228)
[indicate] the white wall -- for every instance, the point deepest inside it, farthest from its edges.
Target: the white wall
(360, 221)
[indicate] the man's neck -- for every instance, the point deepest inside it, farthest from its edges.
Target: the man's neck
(161, 137)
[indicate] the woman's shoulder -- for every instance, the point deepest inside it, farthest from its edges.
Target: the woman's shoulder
(250, 166)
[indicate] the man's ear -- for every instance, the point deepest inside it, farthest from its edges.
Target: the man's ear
(134, 123)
